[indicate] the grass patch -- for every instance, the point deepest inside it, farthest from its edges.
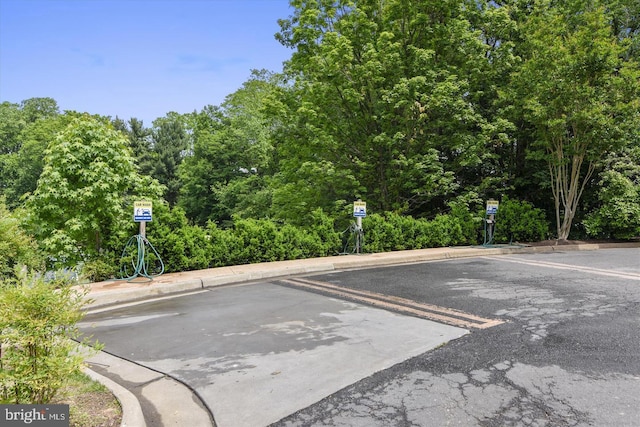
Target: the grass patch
(90, 403)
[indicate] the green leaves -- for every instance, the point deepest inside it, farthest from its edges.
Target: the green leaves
(379, 96)
(88, 181)
(574, 88)
(37, 324)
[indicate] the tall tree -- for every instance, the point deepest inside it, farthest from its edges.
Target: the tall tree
(140, 140)
(25, 166)
(383, 103)
(579, 92)
(226, 172)
(39, 108)
(25, 131)
(88, 181)
(170, 145)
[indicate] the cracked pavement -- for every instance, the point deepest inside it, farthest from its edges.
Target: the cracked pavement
(569, 356)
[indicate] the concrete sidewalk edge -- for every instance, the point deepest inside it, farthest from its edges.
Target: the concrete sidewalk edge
(113, 293)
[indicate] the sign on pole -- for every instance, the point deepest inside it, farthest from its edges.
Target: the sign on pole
(492, 207)
(142, 211)
(359, 209)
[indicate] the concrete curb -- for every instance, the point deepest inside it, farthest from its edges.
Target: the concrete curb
(174, 283)
(132, 415)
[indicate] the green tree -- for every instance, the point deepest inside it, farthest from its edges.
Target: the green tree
(140, 139)
(616, 212)
(170, 145)
(579, 92)
(85, 192)
(39, 108)
(232, 156)
(25, 166)
(382, 105)
(12, 121)
(204, 166)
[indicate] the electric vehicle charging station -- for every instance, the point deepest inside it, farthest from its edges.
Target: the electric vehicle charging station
(139, 250)
(490, 221)
(359, 212)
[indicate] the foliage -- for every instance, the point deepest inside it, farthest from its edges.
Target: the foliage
(98, 269)
(25, 166)
(224, 174)
(423, 109)
(579, 92)
(382, 105)
(391, 231)
(88, 165)
(618, 211)
(17, 249)
(182, 246)
(519, 222)
(37, 322)
(140, 142)
(170, 144)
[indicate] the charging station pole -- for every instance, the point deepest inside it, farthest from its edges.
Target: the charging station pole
(136, 252)
(490, 221)
(359, 212)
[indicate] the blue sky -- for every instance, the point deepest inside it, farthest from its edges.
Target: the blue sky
(136, 58)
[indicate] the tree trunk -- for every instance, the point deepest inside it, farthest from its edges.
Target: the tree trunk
(567, 186)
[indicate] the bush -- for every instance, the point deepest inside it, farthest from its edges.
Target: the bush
(17, 249)
(259, 241)
(37, 320)
(618, 214)
(393, 232)
(182, 246)
(386, 232)
(99, 269)
(520, 222)
(324, 239)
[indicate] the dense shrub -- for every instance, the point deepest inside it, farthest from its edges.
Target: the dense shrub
(519, 222)
(37, 320)
(618, 213)
(182, 246)
(385, 233)
(259, 241)
(16, 247)
(391, 232)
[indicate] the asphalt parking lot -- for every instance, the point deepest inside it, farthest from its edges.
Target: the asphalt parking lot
(539, 339)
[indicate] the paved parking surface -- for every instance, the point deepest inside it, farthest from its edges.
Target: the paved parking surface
(257, 353)
(566, 349)
(568, 355)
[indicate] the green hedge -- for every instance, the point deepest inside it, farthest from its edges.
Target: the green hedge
(184, 246)
(518, 221)
(392, 232)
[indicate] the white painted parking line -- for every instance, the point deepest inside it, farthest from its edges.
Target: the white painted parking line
(559, 266)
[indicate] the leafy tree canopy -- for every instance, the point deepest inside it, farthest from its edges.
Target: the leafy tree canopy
(88, 181)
